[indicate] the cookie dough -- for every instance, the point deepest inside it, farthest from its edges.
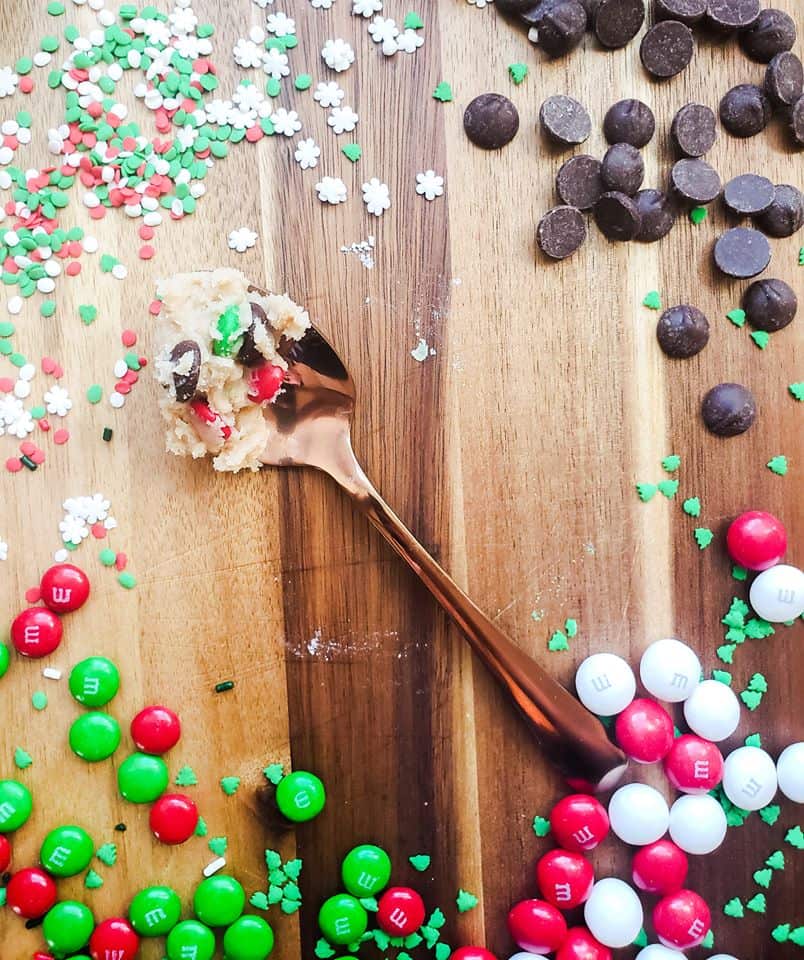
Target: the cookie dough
(219, 359)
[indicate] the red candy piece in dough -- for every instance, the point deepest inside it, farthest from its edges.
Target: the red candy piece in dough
(681, 919)
(660, 867)
(472, 953)
(537, 926)
(756, 540)
(36, 632)
(265, 382)
(694, 765)
(581, 945)
(644, 730)
(64, 587)
(114, 939)
(400, 911)
(30, 893)
(173, 818)
(5, 853)
(579, 822)
(155, 730)
(564, 878)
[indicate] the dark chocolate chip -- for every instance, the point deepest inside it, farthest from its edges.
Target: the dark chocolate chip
(491, 121)
(694, 130)
(561, 231)
(184, 384)
(695, 181)
(797, 121)
(784, 79)
(748, 194)
(248, 354)
(591, 9)
(769, 304)
(514, 6)
(558, 26)
(772, 32)
(685, 11)
(682, 331)
(667, 48)
(745, 110)
(658, 214)
(728, 15)
(728, 409)
(622, 168)
(565, 120)
(618, 216)
(785, 215)
(742, 252)
(578, 182)
(629, 121)
(617, 22)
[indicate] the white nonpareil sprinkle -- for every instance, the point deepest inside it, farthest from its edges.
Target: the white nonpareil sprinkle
(52, 673)
(338, 55)
(331, 190)
(22, 389)
(422, 351)
(376, 196)
(8, 82)
(366, 8)
(90, 244)
(329, 94)
(242, 239)
(119, 271)
(321, 4)
(60, 556)
(41, 58)
(117, 400)
(429, 185)
(120, 369)
(3, 550)
(479, 3)
(14, 306)
(27, 372)
(219, 862)
(342, 119)
(286, 122)
(307, 153)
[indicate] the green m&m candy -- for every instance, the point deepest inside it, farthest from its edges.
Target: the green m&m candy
(155, 911)
(67, 927)
(190, 940)
(15, 805)
(5, 656)
(94, 681)
(142, 778)
(342, 919)
(66, 851)
(300, 796)
(94, 736)
(366, 870)
(219, 900)
(249, 938)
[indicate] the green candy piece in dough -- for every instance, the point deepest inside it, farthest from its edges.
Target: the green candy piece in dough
(273, 773)
(186, 777)
(797, 936)
(259, 900)
(571, 628)
(39, 700)
(293, 868)
(758, 683)
(722, 676)
(761, 338)
(303, 81)
(323, 950)
(107, 854)
(442, 951)
(698, 215)
(751, 698)
(353, 151)
(770, 814)
(218, 845)
(753, 740)
(413, 21)
(22, 759)
(229, 328)
(796, 390)
(93, 880)
(739, 573)
(781, 933)
(795, 837)
(703, 537)
(758, 629)
(557, 642)
(229, 785)
(641, 939)
(518, 72)
(708, 941)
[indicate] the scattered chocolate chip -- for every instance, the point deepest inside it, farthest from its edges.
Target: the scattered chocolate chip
(658, 214)
(748, 194)
(558, 26)
(694, 130)
(629, 121)
(188, 354)
(785, 215)
(622, 168)
(514, 6)
(772, 32)
(617, 22)
(685, 11)
(742, 252)
(491, 121)
(617, 215)
(784, 79)
(728, 409)
(728, 15)
(797, 121)
(745, 110)
(561, 231)
(666, 48)
(682, 331)
(695, 181)
(769, 304)
(591, 9)
(565, 120)
(578, 182)
(248, 354)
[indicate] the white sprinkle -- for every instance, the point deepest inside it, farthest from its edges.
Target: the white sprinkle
(22, 389)
(6, 156)
(90, 244)
(421, 351)
(27, 371)
(214, 866)
(9, 127)
(117, 400)
(52, 267)
(41, 58)
(106, 18)
(120, 368)
(53, 673)
(363, 250)
(46, 284)
(119, 271)
(14, 306)
(152, 219)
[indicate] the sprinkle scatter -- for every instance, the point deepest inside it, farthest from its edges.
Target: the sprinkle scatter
(376, 196)
(307, 153)
(363, 250)
(331, 190)
(429, 185)
(242, 239)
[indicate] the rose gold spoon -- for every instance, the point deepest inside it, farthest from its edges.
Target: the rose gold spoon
(312, 428)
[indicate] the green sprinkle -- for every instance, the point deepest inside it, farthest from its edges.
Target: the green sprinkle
(541, 826)
(47, 308)
(708, 941)
(442, 951)
(770, 814)
(571, 628)
(22, 759)
(757, 904)
(259, 900)
(201, 828)
(274, 773)
(758, 683)
(443, 92)
(758, 629)
(652, 300)
(703, 537)
(323, 950)
(776, 860)
(465, 901)
(293, 868)
(93, 881)
(18, 359)
(777, 465)
(55, 8)
(87, 312)
(431, 936)
(39, 700)
(229, 785)
(23, 66)
(49, 44)
(419, 861)
(698, 215)
(7, 328)
(127, 580)
(692, 507)
(218, 845)
(734, 908)
(303, 81)
(437, 919)
(797, 936)
(107, 853)
(518, 72)
(223, 686)
(646, 491)
(107, 261)
(38, 412)
(795, 837)
(761, 338)
(291, 906)
(558, 642)
(797, 390)
(781, 933)
(671, 463)
(353, 151)
(95, 393)
(641, 939)
(762, 878)
(292, 891)
(273, 860)
(274, 894)
(738, 572)
(751, 698)
(186, 777)
(107, 557)
(726, 652)
(722, 676)
(668, 488)
(273, 87)
(801, 257)
(413, 21)
(753, 740)
(132, 360)
(737, 317)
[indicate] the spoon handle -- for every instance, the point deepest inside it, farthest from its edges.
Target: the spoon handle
(574, 739)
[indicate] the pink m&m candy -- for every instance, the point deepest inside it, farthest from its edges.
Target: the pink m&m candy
(756, 540)
(565, 878)
(36, 632)
(644, 730)
(579, 822)
(660, 867)
(64, 587)
(537, 926)
(681, 919)
(693, 765)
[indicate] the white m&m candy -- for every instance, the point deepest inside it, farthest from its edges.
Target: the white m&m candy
(697, 823)
(749, 778)
(722, 956)
(778, 594)
(790, 772)
(670, 670)
(605, 684)
(655, 951)
(712, 710)
(638, 814)
(613, 913)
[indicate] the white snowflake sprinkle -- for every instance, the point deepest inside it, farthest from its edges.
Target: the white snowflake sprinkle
(376, 196)
(8, 82)
(286, 122)
(182, 21)
(338, 55)
(247, 54)
(331, 190)
(409, 41)
(280, 24)
(321, 4)
(217, 111)
(73, 529)
(264, 3)
(248, 96)
(307, 153)
(275, 63)
(329, 94)
(366, 8)
(242, 239)
(57, 401)
(382, 29)
(342, 119)
(429, 185)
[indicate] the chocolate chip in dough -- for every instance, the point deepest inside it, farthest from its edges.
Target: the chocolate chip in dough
(695, 181)
(682, 331)
(784, 79)
(617, 216)
(685, 11)
(658, 214)
(797, 121)
(742, 252)
(578, 182)
(248, 354)
(785, 215)
(694, 130)
(728, 15)
(617, 22)
(558, 26)
(561, 231)
(514, 7)
(629, 121)
(748, 194)
(745, 110)
(772, 32)
(491, 121)
(622, 168)
(728, 409)
(565, 120)
(666, 48)
(187, 356)
(769, 304)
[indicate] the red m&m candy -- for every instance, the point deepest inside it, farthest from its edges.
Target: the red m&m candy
(694, 765)
(681, 920)
(756, 540)
(64, 587)
(660, 867)
(155, 730)
(264, 382)
(644, 730)
(36, 632)
(173, 818)
(565, 878)
(581, 945)
(5, 853)
(579, 822)
(400, 911)
(472, 953)
(31, 893)
(114, 939)
(537, 926)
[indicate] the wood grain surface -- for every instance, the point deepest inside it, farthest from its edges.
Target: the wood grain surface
(512, 452)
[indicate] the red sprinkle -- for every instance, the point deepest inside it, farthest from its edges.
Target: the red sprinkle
(97, 213)
(129, 338)
(27, 448)
(6, 385)
(48, 364)
(143, 361)
(146, 251)
(253, 134)
(13, 465)
(44, 425)
(73, 268)
(26, 85)
(154, 307)
(33, 595)
(38, 456)
(146, 232)
(121, 561)
(123, 386)
(58, 373)
(98, 531)
(130, 376)
(61, 436)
